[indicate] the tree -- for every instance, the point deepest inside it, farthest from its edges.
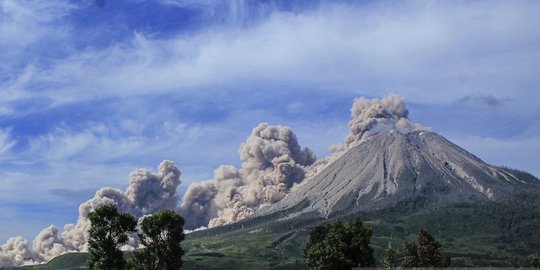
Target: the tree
(389, 261)
(535, 263)
(340, 247)
(162, 234)
(109, 229)
(359, 247)
(425, 252)
(315, 236)
(410, 258)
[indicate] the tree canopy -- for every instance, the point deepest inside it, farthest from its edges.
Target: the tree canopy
(425, 252)
(109, 229)
(162, 234)
(535, 263)
(339, 246)
(389, 260)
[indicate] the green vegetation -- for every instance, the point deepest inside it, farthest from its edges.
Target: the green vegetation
(340, 247)
(426, 252)
(250, 248)
(108, 230)
(162, 234)
(495, 234)
(67, 261)
(389, 261)
(535, 262)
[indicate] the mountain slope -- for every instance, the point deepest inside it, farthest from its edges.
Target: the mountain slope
(398, 183)
(494, 234)
(392, 167)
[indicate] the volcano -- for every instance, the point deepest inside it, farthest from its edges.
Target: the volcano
(393, 167)
(482, 214)
(393, 173)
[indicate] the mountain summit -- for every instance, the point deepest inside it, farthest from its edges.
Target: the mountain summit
(393, 167)
(385, 171)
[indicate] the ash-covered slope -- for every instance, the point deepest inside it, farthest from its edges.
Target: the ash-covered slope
(392, 167)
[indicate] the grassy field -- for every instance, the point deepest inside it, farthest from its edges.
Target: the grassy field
(494, 234)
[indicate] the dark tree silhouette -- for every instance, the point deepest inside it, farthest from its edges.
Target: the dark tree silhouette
(425, 252)
(162, 234)
(535, 263)
(389, 261)
(315, 236)
(108, 230)
(340, 247)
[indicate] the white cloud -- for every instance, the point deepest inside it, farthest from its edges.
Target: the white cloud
(429, 52)
(125, 140)
(425, 51)
(6, 143)
(103, 154)
(27, 29)
(25, 22)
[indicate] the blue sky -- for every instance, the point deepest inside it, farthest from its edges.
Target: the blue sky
(90, 90)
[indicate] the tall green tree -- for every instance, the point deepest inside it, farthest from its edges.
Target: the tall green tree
(315, 236)
(109, 229)
(389, 261)
(339, 246)
(425, 252)
(162, 234)
(360, 250)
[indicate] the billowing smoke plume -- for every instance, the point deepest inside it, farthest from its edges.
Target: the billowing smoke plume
(272, 162)
(272, 165)
(15, 252)
(48, 245)
(370, 117)
(147, 193)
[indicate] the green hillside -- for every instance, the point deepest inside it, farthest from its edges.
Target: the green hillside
(490, 234)
(64, 262)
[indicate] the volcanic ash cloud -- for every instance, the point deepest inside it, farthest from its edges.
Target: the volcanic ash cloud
(48, 245)
(15, 252)
(370, 117)
(373, 116)
(146, 194)
(272, 165)
(272, 162)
